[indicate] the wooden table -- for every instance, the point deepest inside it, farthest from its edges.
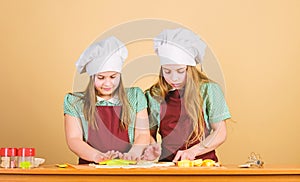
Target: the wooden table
(158, 174)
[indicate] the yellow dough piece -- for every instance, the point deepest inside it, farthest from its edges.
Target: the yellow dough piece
(197, 162)
(208, 163)
(185, 163)
(117, 162)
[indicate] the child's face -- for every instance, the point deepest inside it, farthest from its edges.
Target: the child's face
(175, 74)
(106, 83)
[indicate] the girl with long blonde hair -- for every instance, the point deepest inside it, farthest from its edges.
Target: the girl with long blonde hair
(186, 108)
(106, 120)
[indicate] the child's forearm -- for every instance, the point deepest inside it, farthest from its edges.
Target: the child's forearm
(83, 150)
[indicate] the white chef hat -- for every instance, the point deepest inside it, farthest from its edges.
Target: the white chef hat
(179, 46)
(105, 55)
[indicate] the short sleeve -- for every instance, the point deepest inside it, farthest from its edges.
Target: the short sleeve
(138, 102)
(214, 104)
(153, 110)
(70, 105)
(137, 98)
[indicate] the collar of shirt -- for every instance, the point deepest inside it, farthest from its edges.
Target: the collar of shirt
(112, 101)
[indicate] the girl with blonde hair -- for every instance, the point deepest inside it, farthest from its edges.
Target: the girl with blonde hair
(186, 108)
(106, 120)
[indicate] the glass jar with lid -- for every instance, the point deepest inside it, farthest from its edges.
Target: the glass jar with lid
(8, 157)
(26, 158)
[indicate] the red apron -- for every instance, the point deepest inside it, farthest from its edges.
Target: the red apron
(175, 128)
(109, 135)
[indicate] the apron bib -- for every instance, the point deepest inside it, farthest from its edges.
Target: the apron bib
(109, 135)
(175, 128)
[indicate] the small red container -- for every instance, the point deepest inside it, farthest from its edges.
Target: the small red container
(26, 158)
(9, 157)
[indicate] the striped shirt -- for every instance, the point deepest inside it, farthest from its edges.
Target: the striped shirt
(73, 106)
(214, 106)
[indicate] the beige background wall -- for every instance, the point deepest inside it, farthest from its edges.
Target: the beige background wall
(257, 44)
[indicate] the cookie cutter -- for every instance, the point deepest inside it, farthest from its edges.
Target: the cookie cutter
(254, 160)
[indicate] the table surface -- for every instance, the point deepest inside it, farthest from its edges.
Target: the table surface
(225, 173)
(223, 170)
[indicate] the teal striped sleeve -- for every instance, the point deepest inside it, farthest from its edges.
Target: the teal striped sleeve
(213, 99)
(138, 102)
(137, 99)
(153, 110)
(70, 105)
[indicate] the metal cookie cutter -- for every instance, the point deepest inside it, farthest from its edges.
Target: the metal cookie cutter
(254, 160)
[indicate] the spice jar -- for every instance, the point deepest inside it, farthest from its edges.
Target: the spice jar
(8, 157)
(26, 158)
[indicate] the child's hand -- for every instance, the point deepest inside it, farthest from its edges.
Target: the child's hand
(106, 156)
(113, 154)
(100, 157)
(152, 152)
(131, 155)
(188, 154)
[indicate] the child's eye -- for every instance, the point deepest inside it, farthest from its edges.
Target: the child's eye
(181, 71)
(100, 77)
(114, 76)
(167, 71)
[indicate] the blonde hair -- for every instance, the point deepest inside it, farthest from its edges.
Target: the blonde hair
(89, 104)
(192, 99)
